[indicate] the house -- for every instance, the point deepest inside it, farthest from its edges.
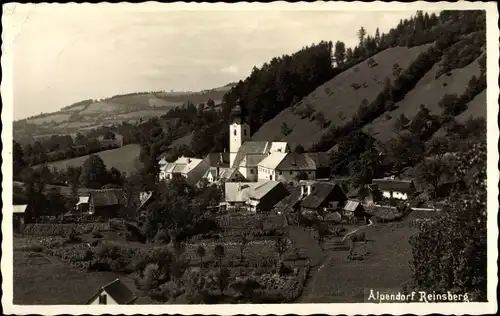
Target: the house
(290, 203)
(393, 188)
(108, 143)
(106, 202)
(321, 196)
(353, 209)
(82, 206)
(266, 195)
(18, 216)
(216, 174)
(218, 159)
(287, 166)
(113, 293)
(192, 169)
(254, 196)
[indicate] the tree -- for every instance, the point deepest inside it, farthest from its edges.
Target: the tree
(300, 149)
(219, 253)
(321, 232)
(340, 52)
(223, 279)
(94, 174)
(377, 38)
(244, 239)
(210, 103)
(320, 118)
(18, 159)
(301, 176)
(200, 252)
(450, 254)
(361, 35)
(401, 122)
(281, 246)
(433, 170)
(285, 130)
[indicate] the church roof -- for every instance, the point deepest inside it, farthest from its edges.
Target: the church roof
(251, 147)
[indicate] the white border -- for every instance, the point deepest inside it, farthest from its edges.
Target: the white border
(300, 309)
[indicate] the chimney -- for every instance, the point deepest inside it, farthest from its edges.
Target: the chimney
(217, 172)
(221, 158)
(309, 189)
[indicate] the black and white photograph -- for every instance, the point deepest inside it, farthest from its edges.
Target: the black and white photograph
(250, 158)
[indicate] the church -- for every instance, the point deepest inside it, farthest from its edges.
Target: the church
(270, 160)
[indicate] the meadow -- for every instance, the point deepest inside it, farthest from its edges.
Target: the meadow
(125, 159)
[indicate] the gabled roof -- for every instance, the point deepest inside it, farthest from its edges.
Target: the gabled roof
(118, 291)
(273, 160)
(321, 159)
(252, 160)
(351, 205)
(296, 161)
(394, 185)
(218, 159)
(289, 201)
(107, 197)
(263, 189)
(19, 209)
(251, 147)
(321, 191)
(227, 173)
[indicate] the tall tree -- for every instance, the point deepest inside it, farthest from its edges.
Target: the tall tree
(18, 159)
(340, 52)
(361, 35)
(94, 174)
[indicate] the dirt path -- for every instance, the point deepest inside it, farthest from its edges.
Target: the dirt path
(370, 223)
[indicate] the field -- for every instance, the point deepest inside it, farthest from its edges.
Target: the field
(58, 118)
(125, 159)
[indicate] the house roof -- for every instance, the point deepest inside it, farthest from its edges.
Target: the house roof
(394, 185)
(243, 191)
(257, 147)
(297, 161)
(118, 291)
(383, 212)
(321, 191)
(252, 160)
(227, 173)
(351, 205)
(218, 159)
(19, 209)
(273, 160)
(321, 159)
(289, 201)
(107, 197)
(83, 200)
(263, 189)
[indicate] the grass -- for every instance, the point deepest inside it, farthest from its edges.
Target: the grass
(39, 279)
(343, 280)
(125, 159)
(58, 118)
(337, 95)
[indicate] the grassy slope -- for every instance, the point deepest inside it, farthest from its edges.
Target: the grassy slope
(337, 95)
(428, 91)
(125, 159)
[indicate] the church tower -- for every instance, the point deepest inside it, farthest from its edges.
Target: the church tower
(239, 132)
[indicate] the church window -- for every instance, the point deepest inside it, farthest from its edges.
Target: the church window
(234, 132)
(251, 171)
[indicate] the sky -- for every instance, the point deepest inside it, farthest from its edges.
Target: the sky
(62, 54)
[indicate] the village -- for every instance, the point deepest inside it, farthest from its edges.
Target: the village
(279, 192)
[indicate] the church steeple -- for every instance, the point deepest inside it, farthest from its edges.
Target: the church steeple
(239, 131)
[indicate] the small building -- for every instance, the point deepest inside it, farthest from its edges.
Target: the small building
(106, 202)
(291, 203)
(113, 293)
(282, 166)
(395, 189)
(353, 209)
(254, 196)
(192, 169)
(321, 196)
(18, 217)
(266, 195)
(217, 174)
(82, 206)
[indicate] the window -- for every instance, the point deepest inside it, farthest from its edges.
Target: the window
(245, 132)
(102, 299)
(291, 172)
(281, 173)
(251, 171)
(234, 132)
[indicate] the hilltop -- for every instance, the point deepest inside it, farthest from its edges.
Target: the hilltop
(89, 114)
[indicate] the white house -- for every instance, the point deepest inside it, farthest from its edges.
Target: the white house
(113, 293)
(216, 175)
(258, 196)
(395, 189)
(192, 169)
(286, 167)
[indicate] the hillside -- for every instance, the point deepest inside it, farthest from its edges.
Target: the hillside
(125, 159)
(337, 99)
(89, 114)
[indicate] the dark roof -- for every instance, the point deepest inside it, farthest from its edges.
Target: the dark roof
(321, 191)
(214, 159)
(394, 185)
(321, 159)
(383, 212)
(289, 201)
(251, 147)
(107, 197)
(118, 291)
(297, 161)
